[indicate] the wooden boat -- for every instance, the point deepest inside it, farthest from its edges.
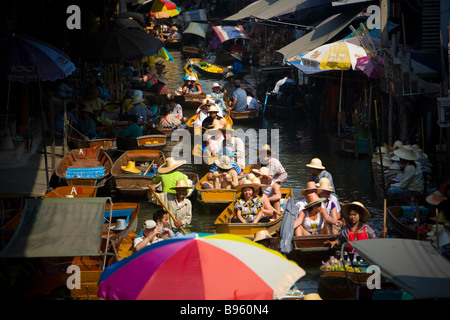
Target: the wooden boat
(313, 243)
(72, 192)
(136, 184)
(85, 167)
(404, 226)
(244, 115)
(207, 69)
(152, 139)
(174, 44)
(216, 196)
(223, 222)
(49, 273)
(107, 143)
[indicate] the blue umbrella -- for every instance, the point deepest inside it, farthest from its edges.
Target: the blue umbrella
(25, 59)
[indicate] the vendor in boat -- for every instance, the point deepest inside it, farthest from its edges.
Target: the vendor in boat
(168, 175)
(331, 203)
(236, 68)
(218, 96)
(271, 192)
(192, 86)
(276, 169)
(177, 204)
(318, 171)
(249, 206)
(139, 109)
(133, 130)
(223, 174)
(314, 219)
(86, 124)
(356, 228)
(412, 177)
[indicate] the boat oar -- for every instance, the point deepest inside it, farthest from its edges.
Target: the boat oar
(149, 167)
(168, 211)
(196, 75)
(265, 101)
(384, 213)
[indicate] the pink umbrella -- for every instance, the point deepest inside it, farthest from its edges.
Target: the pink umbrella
(371, 66)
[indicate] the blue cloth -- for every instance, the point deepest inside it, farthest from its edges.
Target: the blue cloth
(214, 167)
(237, 67)
(241, 100)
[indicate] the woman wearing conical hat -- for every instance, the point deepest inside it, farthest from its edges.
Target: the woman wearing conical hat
(412, 177)
(356, 228)
(314, 219)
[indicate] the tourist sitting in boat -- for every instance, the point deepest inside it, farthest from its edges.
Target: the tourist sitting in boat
(189, 72)
(239, 101)
(249, 206)
(228, 87)
(311, 187)
(149, 235)
(276, 169)
(412, 177)
(318, 171)
(213, 115)
(161, 217)
(234, 145)
(252, 103)
(192, 86)
(223, 174)
(356, 228)
(168, 175)
(218, 96)
(314, 219)
(177, 203)
(176, 110)
(331, 203)
(133, 130)
(271, 192)
(86, 124)
(140, 110)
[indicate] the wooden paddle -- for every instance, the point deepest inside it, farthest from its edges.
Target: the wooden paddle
(149, 166)
(167, 209)
(384, 213)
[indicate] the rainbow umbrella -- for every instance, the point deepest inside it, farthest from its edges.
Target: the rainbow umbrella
(200, 267)
(164, 9)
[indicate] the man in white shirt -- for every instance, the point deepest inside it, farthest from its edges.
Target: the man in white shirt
(276, 91)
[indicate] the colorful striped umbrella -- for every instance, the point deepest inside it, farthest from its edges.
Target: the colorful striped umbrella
(200, 267)
(164, 9)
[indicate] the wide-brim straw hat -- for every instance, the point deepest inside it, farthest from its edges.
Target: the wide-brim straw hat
(266, 148)
(237, 55)
(170, 165)
(440, 217)
(316, 163)
(213, 108)
(262, 172)
(364, 214)
(313, 199)
(406, 154)
(325, 184)
(247, 183)
(174, 28)
(310, 185)
(216, 85)
(137, 99)
(224, 162)
(181, 184)
(398, 144)
(435, 198)
(262, 235)
(206, 102)
(130, 167)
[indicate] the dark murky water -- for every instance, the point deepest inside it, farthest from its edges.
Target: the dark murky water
(299, 142)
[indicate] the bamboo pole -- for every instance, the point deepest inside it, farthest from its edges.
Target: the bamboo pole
(167, 209)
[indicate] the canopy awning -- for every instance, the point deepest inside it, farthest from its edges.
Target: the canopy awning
(226, 33)
(323, 33)
(195, 15)
(266, 9)
(198, 29)
(58, 227)
(413, 265)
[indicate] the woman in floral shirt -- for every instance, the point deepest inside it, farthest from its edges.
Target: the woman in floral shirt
(249, 206)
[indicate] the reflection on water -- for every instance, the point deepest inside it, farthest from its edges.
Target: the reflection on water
(299, 142)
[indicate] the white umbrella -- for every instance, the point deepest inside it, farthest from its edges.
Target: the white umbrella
(339, 55)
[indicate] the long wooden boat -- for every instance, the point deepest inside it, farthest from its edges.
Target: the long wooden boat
(72, 192)
(405, 227)
(153, 139)
(47, 274)
(223, 222)
(207, 69)
(216, 196)
(244, 115)
(108, 143)
(136, 184)
(85, 167)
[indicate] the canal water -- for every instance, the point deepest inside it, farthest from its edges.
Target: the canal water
(300, 140)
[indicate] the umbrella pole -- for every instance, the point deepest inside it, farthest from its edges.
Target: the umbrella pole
(43, 130)
(340, 101)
